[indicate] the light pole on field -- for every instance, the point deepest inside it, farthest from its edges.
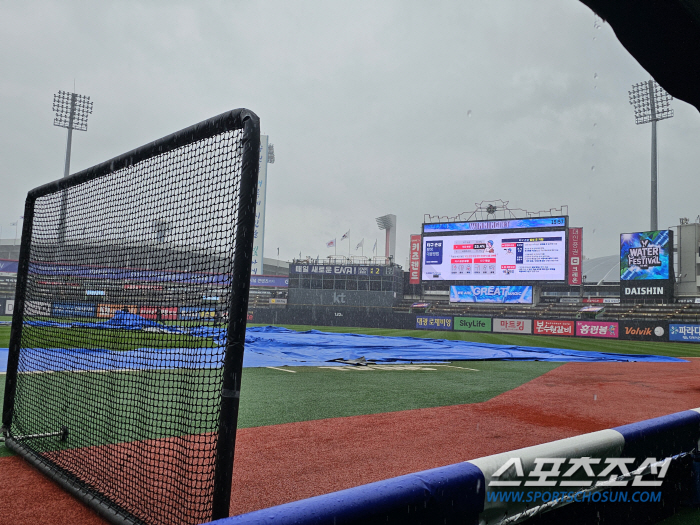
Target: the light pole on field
(651, 104)
(72, 112)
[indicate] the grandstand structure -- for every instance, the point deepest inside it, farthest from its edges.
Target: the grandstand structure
(282, 288)
(270, 293)
(187, 282)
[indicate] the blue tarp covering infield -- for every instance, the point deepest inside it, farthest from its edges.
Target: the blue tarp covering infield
(274, 346)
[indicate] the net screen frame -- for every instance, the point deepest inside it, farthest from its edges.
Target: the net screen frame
(499, 229)
(240, 127)
(633, 241)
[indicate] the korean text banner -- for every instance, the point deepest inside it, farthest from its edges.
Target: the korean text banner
(491, 294)
(690, 333)
(645, 255)
(575, 256)
(553, 327)
(513, 326)
(526, 256)
(432, 322)
(414, 263)
(597, 329)
(506, 224)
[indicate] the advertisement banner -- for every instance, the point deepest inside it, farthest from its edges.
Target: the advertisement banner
(646, 255)
(553, 327)
(278, 300)
(108, 310)
(644, 330)
(256, 267)
(638, 292)
(414, 260)
(602, 300)
(166, 313)
(96, 272)
(575, 256)
(597, 329)
(269, 280)
(513, 326)
(191, 313)
(431, 322)
(37, 308)
(9, 306)
(473, 324)
(340, 270)
(491, 294)
(505, 224)
(689, 333)
(73, 310)
(8, 266)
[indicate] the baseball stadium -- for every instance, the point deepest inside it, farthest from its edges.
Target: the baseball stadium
(150, 378)
(157, 369)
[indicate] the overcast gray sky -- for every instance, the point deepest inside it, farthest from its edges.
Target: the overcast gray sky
(400, 107)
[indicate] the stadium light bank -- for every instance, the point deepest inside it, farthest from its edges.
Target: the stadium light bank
(72, 112)
(651, 104)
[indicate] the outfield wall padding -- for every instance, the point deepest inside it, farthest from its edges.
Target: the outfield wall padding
(459, 493)
(452, 494)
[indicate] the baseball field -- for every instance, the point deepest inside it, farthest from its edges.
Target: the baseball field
(310, 430)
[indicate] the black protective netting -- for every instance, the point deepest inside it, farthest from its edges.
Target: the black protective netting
(126, 307)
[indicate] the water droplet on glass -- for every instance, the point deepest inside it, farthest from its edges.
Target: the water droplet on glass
(592, 144)
(469, 113)
(593, 38)
(592, 168)
(595, 124)
(595, 396)
(595, 75)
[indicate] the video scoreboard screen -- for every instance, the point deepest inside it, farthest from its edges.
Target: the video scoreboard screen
(506, 250)
(646, 255)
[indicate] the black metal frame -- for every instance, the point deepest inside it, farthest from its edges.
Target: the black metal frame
(238, 305)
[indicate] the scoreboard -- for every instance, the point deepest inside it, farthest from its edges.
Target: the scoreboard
(511, 250)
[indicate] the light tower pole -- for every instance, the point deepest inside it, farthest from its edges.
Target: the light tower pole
(72, 112)
(651, 104)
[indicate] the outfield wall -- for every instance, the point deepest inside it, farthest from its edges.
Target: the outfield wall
(373, 317)
(484, 490)
(386, 317)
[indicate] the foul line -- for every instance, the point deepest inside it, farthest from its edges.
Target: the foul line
(281, 369)
(460, 367)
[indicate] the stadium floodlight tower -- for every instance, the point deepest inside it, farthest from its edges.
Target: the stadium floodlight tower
(388, 223)
(72, 112)
(651, 104)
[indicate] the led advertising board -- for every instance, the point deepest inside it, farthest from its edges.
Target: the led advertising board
(533, 255)
(491, 294)
(646, 255)
(496, 225)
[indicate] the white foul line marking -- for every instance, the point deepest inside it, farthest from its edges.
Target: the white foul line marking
(281, 369)
(460, 367)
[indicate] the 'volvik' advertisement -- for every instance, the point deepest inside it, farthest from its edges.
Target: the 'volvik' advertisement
(644, 330)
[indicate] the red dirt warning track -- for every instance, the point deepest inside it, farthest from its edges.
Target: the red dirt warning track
(283, 463)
